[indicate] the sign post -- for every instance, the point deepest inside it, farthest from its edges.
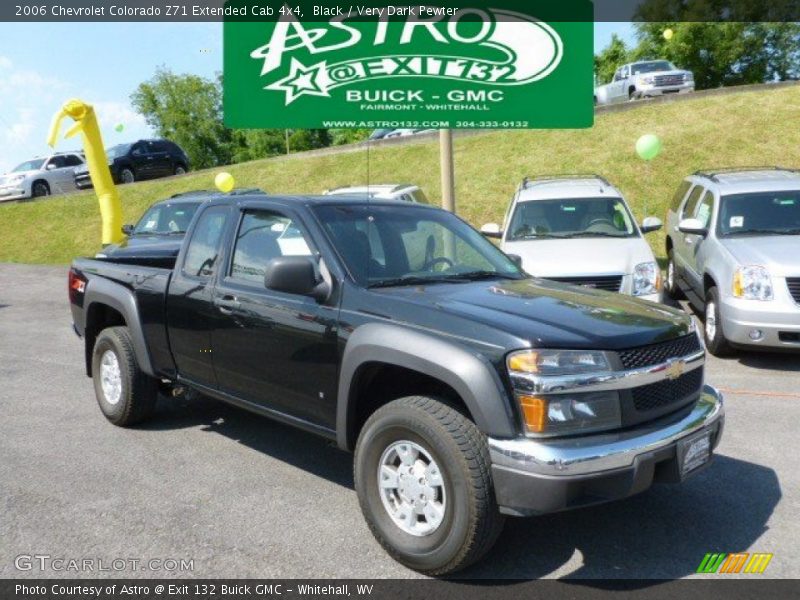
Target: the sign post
(447, 169)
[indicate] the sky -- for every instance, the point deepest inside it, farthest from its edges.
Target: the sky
(44, 64)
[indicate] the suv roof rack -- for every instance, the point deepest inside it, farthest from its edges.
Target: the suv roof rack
(712, 173)
(526, 181)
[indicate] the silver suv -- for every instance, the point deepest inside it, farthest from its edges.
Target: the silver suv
(733, 242)
(578, 229)
(53, 174)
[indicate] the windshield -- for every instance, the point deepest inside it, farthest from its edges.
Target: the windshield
(761, 213)
(571, 217)
(651, 67)
(117, 151)
(166, 218)
(31, 165)
(384, 246)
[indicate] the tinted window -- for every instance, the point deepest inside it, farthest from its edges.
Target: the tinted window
(118, 151)
(57, 162)
(691, 202)
(138, 150)
(569, 217)
(167, 218)
(263, 236)
(765, 213)
(158, 147)
(70, 160)
(680, 195)
(202, 255)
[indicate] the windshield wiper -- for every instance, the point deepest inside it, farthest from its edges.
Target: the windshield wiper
(475, 275)
(531, 236)
(414, 280)
(766, 232)
(595, 234)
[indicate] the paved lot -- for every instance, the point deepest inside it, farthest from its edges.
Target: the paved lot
(246, 497)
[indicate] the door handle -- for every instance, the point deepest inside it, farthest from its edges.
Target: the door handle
(227, 304)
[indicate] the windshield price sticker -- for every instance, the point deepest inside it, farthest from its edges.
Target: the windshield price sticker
(484, 65)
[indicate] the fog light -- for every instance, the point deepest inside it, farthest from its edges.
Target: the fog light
(756, 335)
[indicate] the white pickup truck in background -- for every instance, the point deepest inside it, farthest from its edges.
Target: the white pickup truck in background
(644, 79)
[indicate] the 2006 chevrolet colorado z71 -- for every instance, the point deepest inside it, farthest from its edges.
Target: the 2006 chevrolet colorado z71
(467, 389)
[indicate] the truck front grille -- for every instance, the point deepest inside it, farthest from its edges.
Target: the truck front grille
(654, 354)
(668, 80)
(611, 283)
(667, 392)
(794, 287)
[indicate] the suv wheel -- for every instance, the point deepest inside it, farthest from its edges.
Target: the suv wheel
(126, 394)
(423, 478)
(671, 285)
(712, 329)
(180, 170)
(126, 175)
(40, 188)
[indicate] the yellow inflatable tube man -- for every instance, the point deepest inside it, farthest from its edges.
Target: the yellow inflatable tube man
(86, 123)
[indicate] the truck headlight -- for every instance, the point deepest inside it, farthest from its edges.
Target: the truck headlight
(560, 414)
(648, 79)
(752, 283)
(557, 362)
(646, 279)
(688, 76)
(15, 179)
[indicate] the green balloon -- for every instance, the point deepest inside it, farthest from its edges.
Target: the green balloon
(648, 146)
(119, 128)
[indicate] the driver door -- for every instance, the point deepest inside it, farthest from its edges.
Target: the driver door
(59, 176)
(695, 257)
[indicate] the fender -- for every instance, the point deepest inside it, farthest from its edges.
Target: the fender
(471, 375)
(123, 300)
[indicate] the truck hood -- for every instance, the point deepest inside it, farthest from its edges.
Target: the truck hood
(581, 256)
(548, 314)
(778, 253)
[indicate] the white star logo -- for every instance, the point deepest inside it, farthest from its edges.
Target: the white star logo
(302, 81)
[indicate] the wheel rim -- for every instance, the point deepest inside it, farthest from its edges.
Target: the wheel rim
(711, 321)
(127, 176)
(40, 190)
(180, 171)
(412, 488)
(110, 377)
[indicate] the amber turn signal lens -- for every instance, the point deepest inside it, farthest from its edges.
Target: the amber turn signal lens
(534, 411)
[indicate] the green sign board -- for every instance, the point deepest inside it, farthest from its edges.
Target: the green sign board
(482, 65)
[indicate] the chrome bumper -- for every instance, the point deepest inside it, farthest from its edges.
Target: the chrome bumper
(594, 454)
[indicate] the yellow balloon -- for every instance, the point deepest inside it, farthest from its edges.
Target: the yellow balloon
(224, 182)
(668, 33)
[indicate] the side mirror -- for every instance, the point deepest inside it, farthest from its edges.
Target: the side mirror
(295, 275)
(692, 226)
(127, 229)
(516, 259)
(651, 224)
(492, 230)
(50, 167)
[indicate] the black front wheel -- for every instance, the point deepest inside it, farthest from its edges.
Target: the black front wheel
(40, 189)
(423, 478)
(127, 175)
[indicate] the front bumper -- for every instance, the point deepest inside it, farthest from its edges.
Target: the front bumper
(778, 320)
(548, 475)
(13, 193)
(647, 91)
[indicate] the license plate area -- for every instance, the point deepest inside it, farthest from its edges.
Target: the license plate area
(694, 453)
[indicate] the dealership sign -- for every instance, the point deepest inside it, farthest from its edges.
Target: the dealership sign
(477, 66)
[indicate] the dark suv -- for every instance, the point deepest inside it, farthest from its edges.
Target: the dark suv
(145, 159)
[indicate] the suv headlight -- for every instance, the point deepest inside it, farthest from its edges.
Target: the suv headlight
(15, 179)
(752, 283)
(564, 413)
(646, 279)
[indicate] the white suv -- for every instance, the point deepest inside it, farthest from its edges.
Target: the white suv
(578, 229)
(52, 174)
(403, 192)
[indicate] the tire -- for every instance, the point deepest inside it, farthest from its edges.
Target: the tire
(40, 189)
(453, 452)
(180, 170)
(126, 395)
(671, 280)
(712, 327)
(127, 175)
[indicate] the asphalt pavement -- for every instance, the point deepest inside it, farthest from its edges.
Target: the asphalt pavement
(242, 496)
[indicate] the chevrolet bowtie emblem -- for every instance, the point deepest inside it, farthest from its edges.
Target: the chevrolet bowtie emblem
(675, 368)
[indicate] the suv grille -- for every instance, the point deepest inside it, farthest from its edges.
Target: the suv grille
(609, 283)
(654, 354)
(794, 287)
(665, 80)
(666, 392)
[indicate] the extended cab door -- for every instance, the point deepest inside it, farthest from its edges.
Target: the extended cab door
(190, 311)
(275, 349)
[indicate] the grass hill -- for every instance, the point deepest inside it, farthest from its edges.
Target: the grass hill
(740, 128)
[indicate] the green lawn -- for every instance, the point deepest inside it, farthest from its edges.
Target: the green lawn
(745, 128)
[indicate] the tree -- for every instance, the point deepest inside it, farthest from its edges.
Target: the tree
(186, 109)
(349, 136)
(610, 59)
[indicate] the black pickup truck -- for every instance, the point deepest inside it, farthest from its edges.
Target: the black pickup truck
(467, 389)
